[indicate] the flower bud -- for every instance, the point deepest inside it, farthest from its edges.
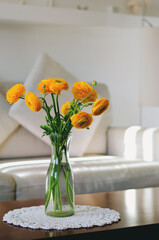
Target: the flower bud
(94, 83)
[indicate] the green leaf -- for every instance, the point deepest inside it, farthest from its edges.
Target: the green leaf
(46, 119)
(51, 106)
(46, 128)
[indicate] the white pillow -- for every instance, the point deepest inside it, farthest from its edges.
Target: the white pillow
(45, 67)
(7, 124)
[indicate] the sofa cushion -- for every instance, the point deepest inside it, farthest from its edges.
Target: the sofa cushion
(45, 67)
(7, 187)
(7, 124)
(91, 174)
(5, 86)
(29, 176)
(23, 144)
(113, 174)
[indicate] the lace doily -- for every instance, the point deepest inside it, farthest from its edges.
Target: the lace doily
(84, 217)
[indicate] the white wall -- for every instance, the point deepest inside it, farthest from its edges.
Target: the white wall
(109, 55)
(94, 5)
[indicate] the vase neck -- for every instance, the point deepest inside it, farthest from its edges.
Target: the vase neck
(60, 149)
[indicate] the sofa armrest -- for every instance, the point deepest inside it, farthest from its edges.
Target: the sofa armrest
(134, 142)
(115, 141)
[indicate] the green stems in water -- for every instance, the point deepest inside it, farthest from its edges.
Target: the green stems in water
(54, 191)
(59, 196)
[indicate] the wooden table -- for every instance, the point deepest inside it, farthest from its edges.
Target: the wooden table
(139, 210)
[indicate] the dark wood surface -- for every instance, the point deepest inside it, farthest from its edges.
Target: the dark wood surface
(139, 210)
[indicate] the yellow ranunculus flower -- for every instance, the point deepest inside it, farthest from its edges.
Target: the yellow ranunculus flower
(81, 90)
(57, 85)
(81, 120)
(100, 106)
(33, 102)
(14, 93)
(66, 107)
(46, 83)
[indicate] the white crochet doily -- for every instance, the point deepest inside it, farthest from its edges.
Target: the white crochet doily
(84, 217)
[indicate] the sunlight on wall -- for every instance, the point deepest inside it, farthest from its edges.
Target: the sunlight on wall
(130, 142)
(148, 143)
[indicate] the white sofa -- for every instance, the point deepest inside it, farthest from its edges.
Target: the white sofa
(103, 158)
(25, 178)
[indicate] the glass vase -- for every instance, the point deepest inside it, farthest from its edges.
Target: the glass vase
(59, 193)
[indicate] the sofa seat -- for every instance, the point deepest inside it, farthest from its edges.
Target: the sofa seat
(92, 174)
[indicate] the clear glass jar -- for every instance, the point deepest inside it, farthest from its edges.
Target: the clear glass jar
(59, 193)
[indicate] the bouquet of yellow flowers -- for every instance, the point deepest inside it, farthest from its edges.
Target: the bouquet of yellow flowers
(58, 127)
(72, 114)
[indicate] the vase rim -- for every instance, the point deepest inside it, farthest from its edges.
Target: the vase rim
(58, 134)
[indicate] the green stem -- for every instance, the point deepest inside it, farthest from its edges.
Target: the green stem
(53, 100)
(46, 108)
(59, 196)
(48, 193)
(65, 124)
(58, 111)
(88, 94)
(86, 105)
(54, 177)
(55, 198)
(67, 189)
(57, 103)
(53, 185)
(67, 113)
(47, 198)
